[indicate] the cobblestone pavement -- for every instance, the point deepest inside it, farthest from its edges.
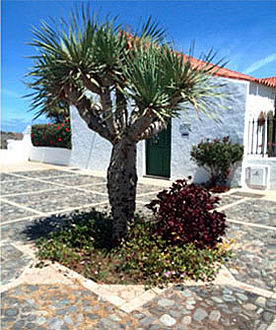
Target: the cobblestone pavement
(36, 202)
(13, 263)
(254, 255)
(62, 307)
(213, 307)
(254, 211)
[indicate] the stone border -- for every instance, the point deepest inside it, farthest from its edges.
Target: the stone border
(64, 274)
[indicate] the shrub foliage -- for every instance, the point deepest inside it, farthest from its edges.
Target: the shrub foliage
(52, 135)
(83, 244)
(217, 157)
(183, 215)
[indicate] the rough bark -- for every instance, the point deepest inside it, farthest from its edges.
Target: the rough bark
(121, 184)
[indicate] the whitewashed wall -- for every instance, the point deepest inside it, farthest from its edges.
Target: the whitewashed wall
(232, 124)
(90, 150)
(260, 98)
(18, 150)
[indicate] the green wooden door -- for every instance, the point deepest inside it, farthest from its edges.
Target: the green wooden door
(158, 154)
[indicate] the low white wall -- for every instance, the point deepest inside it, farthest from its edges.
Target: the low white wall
(57, 156)
(12, 156)
(18, 150)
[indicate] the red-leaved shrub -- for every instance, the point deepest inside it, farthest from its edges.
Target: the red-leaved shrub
(183, 215)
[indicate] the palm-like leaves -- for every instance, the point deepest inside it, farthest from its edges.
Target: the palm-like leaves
(89, 54)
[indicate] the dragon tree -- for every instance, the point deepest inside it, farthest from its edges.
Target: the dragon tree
(125, 86)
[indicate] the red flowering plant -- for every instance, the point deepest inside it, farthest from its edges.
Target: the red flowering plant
(52, 135)
(184, 214)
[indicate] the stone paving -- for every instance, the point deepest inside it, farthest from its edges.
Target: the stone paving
(35, 202)
(254, 211)
(254, 257)
(9, 211)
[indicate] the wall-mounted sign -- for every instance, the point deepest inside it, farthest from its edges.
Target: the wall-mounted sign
(185, 129)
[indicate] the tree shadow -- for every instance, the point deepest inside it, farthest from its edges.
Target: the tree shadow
(42, 227)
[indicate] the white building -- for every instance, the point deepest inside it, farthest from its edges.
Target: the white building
(168, 155)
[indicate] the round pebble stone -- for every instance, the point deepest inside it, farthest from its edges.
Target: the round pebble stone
(199, 315)
(186, 320)
(167, 320)
(250, 307)
(40, 320)
(267, 316)
(215, 316)
(11, 312)
(18, 325)
(67, 319)
(260, 301)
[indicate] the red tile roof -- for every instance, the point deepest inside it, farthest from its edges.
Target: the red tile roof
(270, 82)
(226, 73)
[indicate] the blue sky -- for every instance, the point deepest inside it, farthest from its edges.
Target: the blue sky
(242, 32)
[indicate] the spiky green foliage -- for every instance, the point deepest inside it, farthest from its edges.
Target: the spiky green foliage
(89, 54)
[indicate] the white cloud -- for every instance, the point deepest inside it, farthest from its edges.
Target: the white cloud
(259, 64)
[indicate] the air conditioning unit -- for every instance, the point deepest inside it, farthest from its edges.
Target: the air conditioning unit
(256, 176)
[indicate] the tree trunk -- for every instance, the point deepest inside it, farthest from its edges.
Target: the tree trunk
(121, 184)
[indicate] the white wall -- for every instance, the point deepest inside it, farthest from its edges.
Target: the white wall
(270, 163)
(260, 98)
(232, 124)
(90, 150)
(50, 155)
(18, 150)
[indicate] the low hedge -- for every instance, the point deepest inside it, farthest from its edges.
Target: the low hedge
(52, 135)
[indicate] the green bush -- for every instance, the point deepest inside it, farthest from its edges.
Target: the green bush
(52, 135)
(83, 244)
(217, 157)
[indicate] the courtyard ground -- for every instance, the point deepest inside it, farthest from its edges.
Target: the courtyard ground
(34, 197)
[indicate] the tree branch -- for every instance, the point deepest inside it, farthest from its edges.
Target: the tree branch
(89, 84)
(154, 128)
(108, 115)
(139, 125)
(88, 111)
(121, 110)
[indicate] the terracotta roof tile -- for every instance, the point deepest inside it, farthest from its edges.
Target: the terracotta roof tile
(270, 82)
(227, 73)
